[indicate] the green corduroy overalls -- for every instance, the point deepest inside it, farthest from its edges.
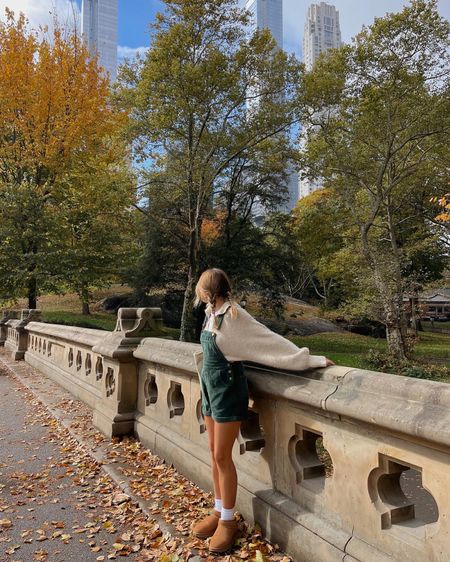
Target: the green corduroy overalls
(223, 383)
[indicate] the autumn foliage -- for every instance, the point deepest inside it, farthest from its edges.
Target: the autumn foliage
(444, 203)
(59, 151)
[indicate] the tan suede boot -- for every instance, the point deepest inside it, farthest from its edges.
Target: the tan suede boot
(223, 538)
(205, 527)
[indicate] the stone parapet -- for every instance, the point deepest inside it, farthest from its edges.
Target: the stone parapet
(96, 366)
(6, 316)
(17, 335)
(334, 464)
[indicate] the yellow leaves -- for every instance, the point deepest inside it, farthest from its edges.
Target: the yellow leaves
(5, 523)
(53, 98)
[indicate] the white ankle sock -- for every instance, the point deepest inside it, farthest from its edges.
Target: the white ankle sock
(218, 504)
(227, 514)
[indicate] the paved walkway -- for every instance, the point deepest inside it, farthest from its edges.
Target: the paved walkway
(68, 494)
(52, 494)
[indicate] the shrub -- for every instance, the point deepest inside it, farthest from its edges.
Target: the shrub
(382, 361)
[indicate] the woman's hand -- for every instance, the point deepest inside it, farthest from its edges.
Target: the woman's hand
(329, 362)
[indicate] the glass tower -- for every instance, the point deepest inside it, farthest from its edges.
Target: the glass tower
(99, 27)
(268, 14)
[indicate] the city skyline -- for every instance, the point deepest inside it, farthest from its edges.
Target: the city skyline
(133, 36)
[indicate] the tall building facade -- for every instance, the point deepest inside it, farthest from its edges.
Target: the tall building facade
(322, 32)
(99, 23)
(267, 14)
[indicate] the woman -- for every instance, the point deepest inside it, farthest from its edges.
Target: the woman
(230, 336)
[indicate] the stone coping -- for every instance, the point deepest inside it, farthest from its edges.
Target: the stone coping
(82, 336)
(172, 353)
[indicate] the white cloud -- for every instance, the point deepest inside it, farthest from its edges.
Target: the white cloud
(43, 12)
(124, 52)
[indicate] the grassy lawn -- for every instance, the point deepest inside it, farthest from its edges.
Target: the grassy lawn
(439, 325)
(345, 348)
(66, 309)
(100, 321)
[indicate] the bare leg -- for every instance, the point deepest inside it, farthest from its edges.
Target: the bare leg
(209, 422)
(225, 434)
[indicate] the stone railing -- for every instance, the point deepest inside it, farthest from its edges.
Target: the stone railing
(6, 316)
(334, 464)
(16, 334)
(96, 366)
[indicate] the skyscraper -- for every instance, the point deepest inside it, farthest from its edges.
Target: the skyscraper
(322, 32)
(99, 27)
(268, 14)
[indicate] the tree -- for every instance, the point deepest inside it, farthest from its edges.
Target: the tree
(54, 116)
(322, 228)
(204, 97)
(97, 222)
(379, 116)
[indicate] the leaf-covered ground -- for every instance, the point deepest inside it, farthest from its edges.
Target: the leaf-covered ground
(59, 495)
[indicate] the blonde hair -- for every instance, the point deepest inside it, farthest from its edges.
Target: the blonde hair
(214, 283)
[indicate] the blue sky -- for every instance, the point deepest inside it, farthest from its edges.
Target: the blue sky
(135, 16)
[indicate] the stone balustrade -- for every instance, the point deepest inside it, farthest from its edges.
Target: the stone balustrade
(6, 316)
(334, 464)
(17, 336)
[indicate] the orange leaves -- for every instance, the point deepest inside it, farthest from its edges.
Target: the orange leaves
(53, 98)
(212, 228)
(444, 203)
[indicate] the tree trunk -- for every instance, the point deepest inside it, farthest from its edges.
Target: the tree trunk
(188, 320)
(388, 284)
(395, 343)
(32, 292)
(84, 296)
(394, 318)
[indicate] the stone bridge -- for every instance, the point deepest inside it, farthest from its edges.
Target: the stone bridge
(335, 464)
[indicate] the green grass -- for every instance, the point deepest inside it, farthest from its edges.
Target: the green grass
(100, 321)
(432, 345)
(439, 325)
(345, 348)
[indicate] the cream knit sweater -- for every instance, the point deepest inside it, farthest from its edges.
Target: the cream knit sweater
(245, 339)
